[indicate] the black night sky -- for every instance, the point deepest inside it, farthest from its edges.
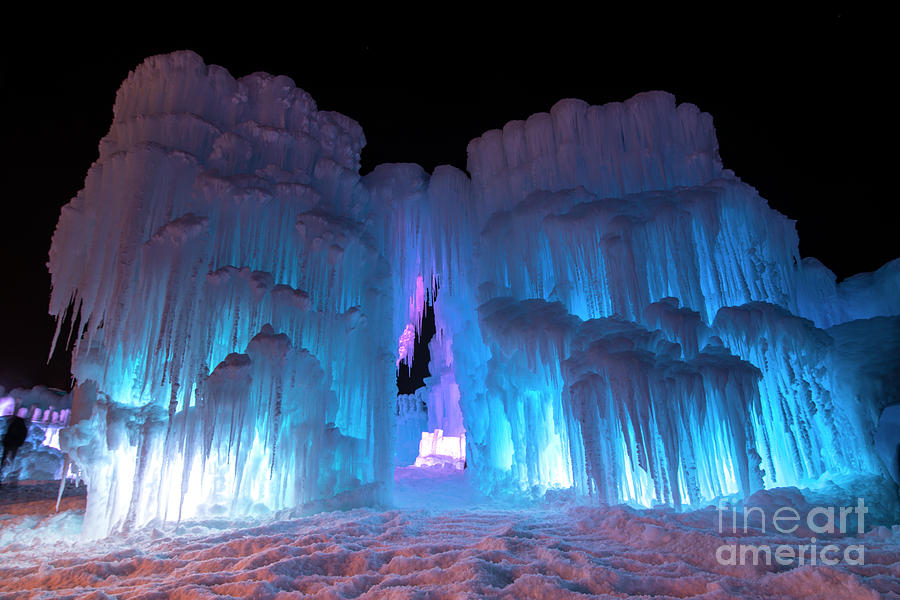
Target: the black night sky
(800, 103)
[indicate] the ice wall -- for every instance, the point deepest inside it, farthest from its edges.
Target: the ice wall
(219, 211)
(614, 150)
(862, 296)
(616, 313)
(410, 420)
(624, 212)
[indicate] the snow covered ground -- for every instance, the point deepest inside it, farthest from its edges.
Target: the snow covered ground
(461, 546)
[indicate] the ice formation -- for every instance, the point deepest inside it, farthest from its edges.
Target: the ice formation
(616, 313)
(46, 412)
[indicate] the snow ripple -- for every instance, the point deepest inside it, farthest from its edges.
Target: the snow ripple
(574, 552)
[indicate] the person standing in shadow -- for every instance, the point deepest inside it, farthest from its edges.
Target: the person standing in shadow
(16, 432)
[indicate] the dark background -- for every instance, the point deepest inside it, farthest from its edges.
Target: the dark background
(801, 104)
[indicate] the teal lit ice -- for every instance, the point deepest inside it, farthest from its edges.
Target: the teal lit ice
(617, 314)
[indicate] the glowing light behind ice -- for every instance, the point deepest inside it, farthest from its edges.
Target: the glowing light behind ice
(407, 345)
(51, 437)
(615, 311)
(437, 449)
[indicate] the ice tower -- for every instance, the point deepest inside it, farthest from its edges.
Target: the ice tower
(235, 304)
(616, 313)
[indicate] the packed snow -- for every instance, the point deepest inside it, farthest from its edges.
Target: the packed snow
(442, 540)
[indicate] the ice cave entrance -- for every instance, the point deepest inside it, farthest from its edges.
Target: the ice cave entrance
(430, 445)
(430, 431)
(429, 427)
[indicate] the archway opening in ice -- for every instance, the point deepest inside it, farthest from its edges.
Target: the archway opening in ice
(429, 424)
(438, 449)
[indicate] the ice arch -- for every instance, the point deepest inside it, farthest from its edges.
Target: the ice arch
(619, 314)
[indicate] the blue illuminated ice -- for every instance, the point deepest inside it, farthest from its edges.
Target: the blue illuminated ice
(616, 313)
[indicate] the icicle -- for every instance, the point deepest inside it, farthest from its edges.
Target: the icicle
(62, 481)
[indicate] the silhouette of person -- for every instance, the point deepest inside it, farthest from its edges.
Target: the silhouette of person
(16, 432)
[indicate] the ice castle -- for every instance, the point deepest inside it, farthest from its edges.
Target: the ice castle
(616, 313)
